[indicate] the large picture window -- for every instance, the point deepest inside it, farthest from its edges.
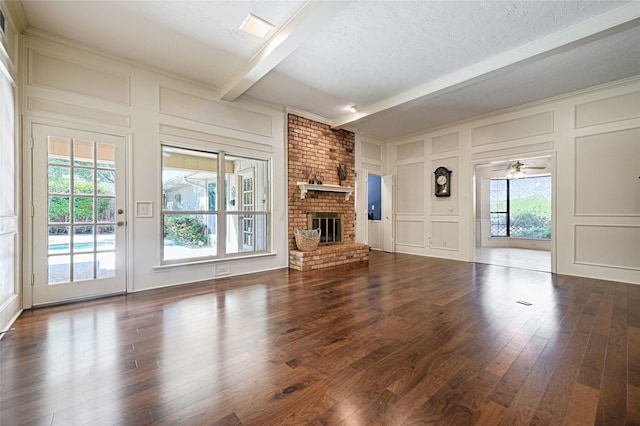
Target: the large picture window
(521, 208)
(214, 204)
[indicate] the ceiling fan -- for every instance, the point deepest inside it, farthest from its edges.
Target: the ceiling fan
(516, 170)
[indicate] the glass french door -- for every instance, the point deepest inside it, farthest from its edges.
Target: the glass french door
(79, 218)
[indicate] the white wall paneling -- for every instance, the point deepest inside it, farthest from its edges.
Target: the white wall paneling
(612, 246)
(371, 151)
(371, 167)
(444, 235)
(73, 76)
(514, 150)
(607, 174)
(410, 150)
(444, 143)
(39, 105)
(608, 110)
(410, 232)
(410, 188)
(532, 125)
(209, 111)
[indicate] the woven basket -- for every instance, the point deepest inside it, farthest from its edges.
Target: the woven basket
(305, 243)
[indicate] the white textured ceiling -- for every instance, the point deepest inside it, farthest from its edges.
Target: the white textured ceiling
(407, 65)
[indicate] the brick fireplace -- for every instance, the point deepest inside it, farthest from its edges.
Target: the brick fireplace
(314, 147)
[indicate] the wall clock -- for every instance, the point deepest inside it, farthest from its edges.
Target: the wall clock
(443, 182)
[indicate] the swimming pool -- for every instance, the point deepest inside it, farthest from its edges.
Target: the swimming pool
(100, 245)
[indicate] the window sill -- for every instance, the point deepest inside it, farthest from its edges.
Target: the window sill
(199, 262)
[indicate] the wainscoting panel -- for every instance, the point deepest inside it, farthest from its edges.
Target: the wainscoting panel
(444, 235)
(57, 73)
(222, 142)
(444, 143)
(82, 112)
(410, 189)
(607, 174)
(371, 166)
(608, 110)
(410, 150)
(194, 108)
(410, 233)
(611, 246)
(371, 151)
(532, 125)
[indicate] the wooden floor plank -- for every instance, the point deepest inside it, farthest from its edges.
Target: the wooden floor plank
(402, 340)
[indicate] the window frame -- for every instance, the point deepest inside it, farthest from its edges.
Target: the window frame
(506, 212)
(221, 212)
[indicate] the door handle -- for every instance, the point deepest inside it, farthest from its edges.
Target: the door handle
(120, 223)
(120, 211)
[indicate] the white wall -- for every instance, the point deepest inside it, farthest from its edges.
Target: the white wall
(10, 198)
(70, 86)
(593, 138)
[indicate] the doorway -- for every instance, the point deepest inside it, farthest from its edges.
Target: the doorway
(374, 211)
(514, 213)
(79, 219)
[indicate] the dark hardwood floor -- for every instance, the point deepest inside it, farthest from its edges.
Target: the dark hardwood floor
(403, 340)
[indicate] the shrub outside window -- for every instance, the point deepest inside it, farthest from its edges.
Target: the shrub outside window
(214, 204)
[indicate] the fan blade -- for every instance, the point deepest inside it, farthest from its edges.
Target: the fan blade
(533, 167)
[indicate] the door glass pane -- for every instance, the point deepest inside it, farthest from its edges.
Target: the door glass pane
(83, 266)
(59, 211)
(106, 237)
(83, 209)
(106, 210)
(83, 153)
(106, 181)
(59, 180)
(106, 156)
(59, 239)
(106, 264)
(83, 239)
(59, 270)
(82, 181)
(59, 150)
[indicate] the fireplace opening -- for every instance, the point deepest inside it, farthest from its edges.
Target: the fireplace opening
(330, 225)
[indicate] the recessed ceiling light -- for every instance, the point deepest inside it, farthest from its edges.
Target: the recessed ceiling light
(353, 108)
(256, 26)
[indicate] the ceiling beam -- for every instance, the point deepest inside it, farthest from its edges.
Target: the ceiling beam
(616, 19)
(304, 24)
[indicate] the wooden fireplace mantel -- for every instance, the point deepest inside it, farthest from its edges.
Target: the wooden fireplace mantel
(304, 187)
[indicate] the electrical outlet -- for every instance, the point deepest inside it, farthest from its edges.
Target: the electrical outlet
(222, 269)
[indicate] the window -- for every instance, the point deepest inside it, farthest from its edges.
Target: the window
(203, 219)
(521, 208)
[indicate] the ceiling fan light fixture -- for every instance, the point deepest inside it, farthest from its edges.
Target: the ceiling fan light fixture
(517, 174)
(256, 26)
